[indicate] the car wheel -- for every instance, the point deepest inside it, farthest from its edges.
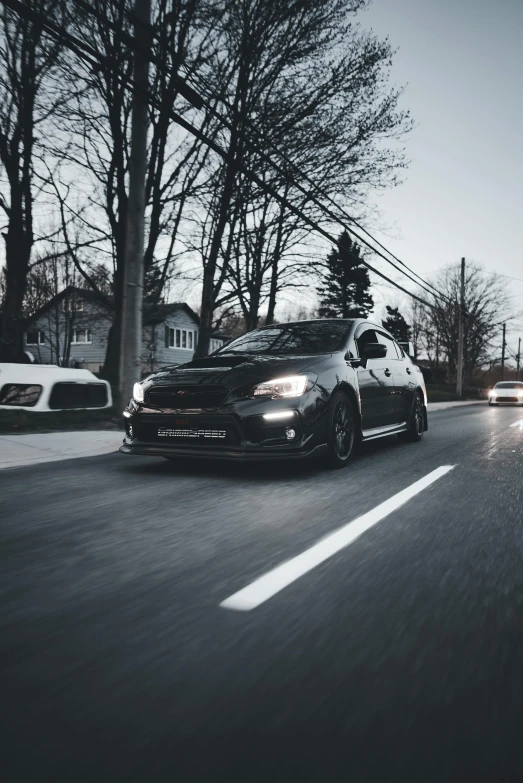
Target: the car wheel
(414, 432)
(491, 403)
(341, 430)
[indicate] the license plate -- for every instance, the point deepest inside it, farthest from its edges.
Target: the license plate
(196, 434)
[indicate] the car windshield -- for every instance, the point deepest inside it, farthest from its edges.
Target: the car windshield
(309, 337)
(509, 385)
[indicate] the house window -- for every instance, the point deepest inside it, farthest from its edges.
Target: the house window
(81, 336)
(35, 338)
(215, 344)
(181, 338)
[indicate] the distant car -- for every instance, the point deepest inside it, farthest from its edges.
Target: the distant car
(506, 392)
(293, 390)
(46, 387)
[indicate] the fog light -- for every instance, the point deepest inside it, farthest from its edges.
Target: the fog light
(290, 433)
(130, 430)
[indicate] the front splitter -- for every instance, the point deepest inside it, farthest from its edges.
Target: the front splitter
(233, 455)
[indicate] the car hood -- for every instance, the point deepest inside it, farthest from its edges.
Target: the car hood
(235, 370)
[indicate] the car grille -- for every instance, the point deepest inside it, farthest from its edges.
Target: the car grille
(185, 397)
(508, 399)
(166, 432)
(206, 430)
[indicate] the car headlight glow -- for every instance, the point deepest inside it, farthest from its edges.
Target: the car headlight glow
(292, 386)
(138, 394)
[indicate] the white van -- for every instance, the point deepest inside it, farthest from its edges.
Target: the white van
(46, 387)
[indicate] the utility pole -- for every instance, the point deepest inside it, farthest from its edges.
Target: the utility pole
(518, 359)
(132, 298)
(459, 380)
(503, 345)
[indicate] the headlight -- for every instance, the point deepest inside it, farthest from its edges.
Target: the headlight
(138, 392)
(293, 386)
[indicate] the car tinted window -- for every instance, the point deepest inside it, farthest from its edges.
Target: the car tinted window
(26, 394)
(304, 338)
(384, 339)
(367, 336)
(509, 385)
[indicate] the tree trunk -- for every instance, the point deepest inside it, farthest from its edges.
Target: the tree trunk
(273, 291)
(17, 254)
(207, 305)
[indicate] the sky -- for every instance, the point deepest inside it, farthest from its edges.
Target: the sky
(462, 64)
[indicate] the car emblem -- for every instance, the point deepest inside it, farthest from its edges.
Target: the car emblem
(182, 393)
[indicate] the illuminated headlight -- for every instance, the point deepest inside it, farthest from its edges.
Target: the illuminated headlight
(520, 394)
(293, 386)
(138, 392)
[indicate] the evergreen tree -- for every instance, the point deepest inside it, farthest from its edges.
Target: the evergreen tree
(397, 325)
(344, 290)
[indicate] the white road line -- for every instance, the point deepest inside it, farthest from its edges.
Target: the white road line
(518, 423)
(283, 575)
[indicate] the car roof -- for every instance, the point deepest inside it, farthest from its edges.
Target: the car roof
(308, 321)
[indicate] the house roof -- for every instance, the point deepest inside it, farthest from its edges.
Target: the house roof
(158, 313)
(82, 293)
(153, 314)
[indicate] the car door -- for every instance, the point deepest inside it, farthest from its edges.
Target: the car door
(375, 384)
(402, 376)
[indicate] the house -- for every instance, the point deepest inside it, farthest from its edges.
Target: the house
(72, 330)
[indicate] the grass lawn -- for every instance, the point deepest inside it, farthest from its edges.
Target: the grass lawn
(446, 393)
(18, 421)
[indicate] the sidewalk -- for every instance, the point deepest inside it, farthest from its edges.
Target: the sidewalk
(441, 406)
(20, 450)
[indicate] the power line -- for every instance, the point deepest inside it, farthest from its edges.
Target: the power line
(423, 283)
(196, 99)
(86, 52)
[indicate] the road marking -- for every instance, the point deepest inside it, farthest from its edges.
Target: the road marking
(518, 423)
(283, 575)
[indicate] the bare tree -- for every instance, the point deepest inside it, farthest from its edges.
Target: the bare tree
(91, 188)
(487, 305)
(28, 58)
(304, 78)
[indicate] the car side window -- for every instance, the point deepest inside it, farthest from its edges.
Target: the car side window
(399, 350)
(384, 339)
(367, 336)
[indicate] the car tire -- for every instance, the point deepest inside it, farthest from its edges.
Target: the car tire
(492, 403)
(415, 426)
(341, 430)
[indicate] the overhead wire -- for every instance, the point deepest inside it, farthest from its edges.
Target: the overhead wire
(86, 52)
(426, 285)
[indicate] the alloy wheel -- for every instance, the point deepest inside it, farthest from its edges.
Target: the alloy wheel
(343, 429)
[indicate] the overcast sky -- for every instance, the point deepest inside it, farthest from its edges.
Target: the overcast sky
(462, 64)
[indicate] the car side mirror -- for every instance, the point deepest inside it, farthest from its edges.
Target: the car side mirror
(354, 361)
(375, 351)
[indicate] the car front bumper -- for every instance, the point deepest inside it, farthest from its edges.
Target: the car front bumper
(236, 432)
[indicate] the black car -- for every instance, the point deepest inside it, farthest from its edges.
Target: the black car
(293, 390)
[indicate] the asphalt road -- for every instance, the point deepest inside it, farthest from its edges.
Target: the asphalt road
(400, 657)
